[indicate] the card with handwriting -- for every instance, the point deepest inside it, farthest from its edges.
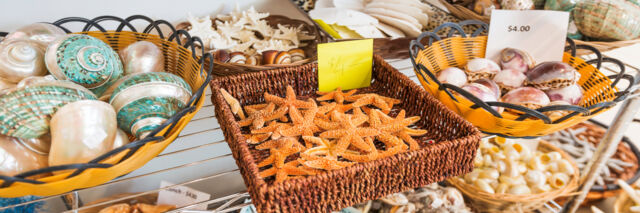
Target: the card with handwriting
(541, 33)
(345, 64)
(181, 196)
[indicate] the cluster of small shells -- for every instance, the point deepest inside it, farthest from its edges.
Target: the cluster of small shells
(512, 167)
(244, 37)
(429, 199)
(519, 79)
(578, 144)
(485, 7)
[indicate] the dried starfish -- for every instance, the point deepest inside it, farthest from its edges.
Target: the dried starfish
(289, 101)
(257, 107)
(291, 168)
(323, 147)
(302, 125)
(322, 163)
(361, 158)
(325, 109)
(257, 138)
(279, 149)
(233, 103)
(274, 129)
(384, 103)
(399, 126)
(358, 118)
(336, 95)
(350, 134)
(258, 118)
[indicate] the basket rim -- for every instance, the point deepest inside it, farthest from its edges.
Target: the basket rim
(161, 133)
(260, 188)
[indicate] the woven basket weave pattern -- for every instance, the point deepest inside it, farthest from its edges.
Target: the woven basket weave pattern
(451, 155)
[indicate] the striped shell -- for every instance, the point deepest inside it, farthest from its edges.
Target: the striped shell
(26, 112)
(607, 19)
(85, 60)
(144, 101)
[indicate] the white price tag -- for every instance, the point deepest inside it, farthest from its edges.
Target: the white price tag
(541, 33)
(181, 196)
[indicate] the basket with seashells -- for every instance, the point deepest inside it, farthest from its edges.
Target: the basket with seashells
(513, 175)
(80, 109)
(249, 40)
(515, 97)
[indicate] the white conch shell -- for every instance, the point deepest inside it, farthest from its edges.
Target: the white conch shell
(489, 173)
(478, 160)
(484, 186)
(472, 176)
(142, 56)
(21, 58)
(487, 159)
(536, 163)
(502, 188)
(550, 157)
(16, 158)
(558, 180)
(520, 189)
(535, 178)
(541, 188)
(82, 131)
(42, 32)
(512, 169)
(565, 166)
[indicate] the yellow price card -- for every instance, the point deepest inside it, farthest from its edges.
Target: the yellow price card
(345, 64)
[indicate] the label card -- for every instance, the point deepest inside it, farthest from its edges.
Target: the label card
(181, 196)
(541, 33)
(345, 64)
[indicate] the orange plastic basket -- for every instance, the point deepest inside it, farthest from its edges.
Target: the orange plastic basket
(179, 59)
(599, 90)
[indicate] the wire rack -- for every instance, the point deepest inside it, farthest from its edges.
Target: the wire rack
(199, 159)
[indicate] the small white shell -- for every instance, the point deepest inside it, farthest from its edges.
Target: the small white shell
(501, 165)
(490, 173)
(453, 196)
(535, 163)
(483, 185)
(512, 169)
(478, 161)
(541, 188)
(472, 176)
(535, 178)
(520, 189)
(550, 157)
(502, 188)
(487, 159)
(512, 180)
(558, 180)
(453, 75)
(565, 166)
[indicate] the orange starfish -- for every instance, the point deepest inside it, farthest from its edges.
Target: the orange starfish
(258, 118)
(257, 107)
(317, 162)
(325, 109)
(302, 125)
(256, 138)
(358, 118)
(291, 168)
(274, 129)
(289, 101)
(399, 126)
(350, 134)
(336, 95)
(279, 149)
(323, 147)
(358, 157)
(384, 103)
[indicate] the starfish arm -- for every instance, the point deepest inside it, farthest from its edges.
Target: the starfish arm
(281, 112)
(325, 96)
(258, 123)
(359, 143)
(281, 176)
(365, 100)
(389, 140)
(268, 172)
(326, 125)
(356, 157)
(269, 160)
(334, 133)
(293, 131)
(302, 104)
(415, 132)
(367, 132)
(325, 108)
(257, 138)
(274, 99)
(272, 144)
(245, 122)
(413, 144)
(342, 145)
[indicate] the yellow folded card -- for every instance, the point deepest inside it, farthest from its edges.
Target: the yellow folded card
(345, 64)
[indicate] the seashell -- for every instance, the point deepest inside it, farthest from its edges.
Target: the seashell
(571, 94)
(5, 86)
(121, 139)
(21, 58)
(565, 167)
(501, 165)
(16, 158)
(558, 180)
(509, 79)
(517, 4)
(535, 178)
(478, 161)
(541, 188)
(490, 84)
(502, 188)
(550, 157)
(275, 57)
(34, 80)
(453, 196)
(485, 7)
(481, 68)
(519, 189)
(482, 92)
(487, 159)
(40, 145)
(516, 59)
(552, 75)
(144, 101)
(557, 113)
(44, 33)
(253, 59)
(472, 176)
(454, 76)
(523, 152)
(490, 173)
(238, 58)
(560, 5)
(26, 111)
(512, 180)
(528, 97)
(297, 55)
(512, 169)
(84, 60)
(607, 19)
(142, 56)
(483, 186)
(106, 95)
(82, 131)
(397, 199)
(221, 56)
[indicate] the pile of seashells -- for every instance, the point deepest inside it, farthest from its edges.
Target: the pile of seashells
(431, 198)
(513, 167)
(244, 37)
(517, 80)
(50, 84)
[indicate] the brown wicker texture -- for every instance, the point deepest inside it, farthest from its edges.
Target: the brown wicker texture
(464, 13)
(451, 155)
(485, 202)
(226, 69)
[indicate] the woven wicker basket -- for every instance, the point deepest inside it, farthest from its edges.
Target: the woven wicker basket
(179, 60)
(456, 142)
(226, 69)
(599, 90)
(485, 202)
(464, 13)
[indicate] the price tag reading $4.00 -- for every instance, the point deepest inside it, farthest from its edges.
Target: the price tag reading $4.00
(541, 33)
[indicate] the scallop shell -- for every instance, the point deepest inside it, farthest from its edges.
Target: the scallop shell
(85, 60)
(142, 56)
(44, 33)
(144, 101)
(89, 126)
(26, 111)
(21, 58)
(16, 158)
